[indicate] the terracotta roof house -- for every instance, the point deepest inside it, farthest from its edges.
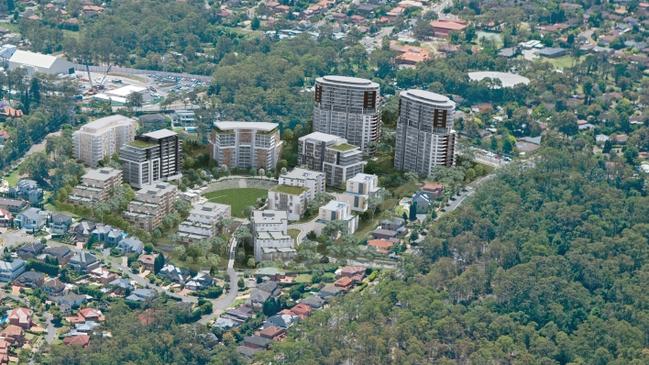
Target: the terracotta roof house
(272, 332)
(344, 282)
(350, 271)
(91, 314)
(21, 317)
(13, 334)
(147, 261)
(302, 310)
(444, 27)
(77, 340)
(381, 246)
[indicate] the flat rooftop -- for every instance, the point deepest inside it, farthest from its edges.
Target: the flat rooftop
(107, 122)
(260, 126)
(160, 134)
(299, 173)
(293, 190)
(343, 147)
(428, 97)
(102, 174)
(355, 82)
(269, 216)
(322, 137)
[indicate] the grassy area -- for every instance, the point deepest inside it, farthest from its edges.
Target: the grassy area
(238, 199)
(563, 62)
(12, 179)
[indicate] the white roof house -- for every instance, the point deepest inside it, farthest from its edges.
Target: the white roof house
(38, 62)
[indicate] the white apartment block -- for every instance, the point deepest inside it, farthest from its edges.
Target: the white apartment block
(102, 138)
(332, 155)
(271, 239)
(203, 221)
(151, 204)
(314, 181)
(425, 137)
(96, 186)
(246, 145)
(348, 107)
(337, 210)
(291, 199)
(360, 189)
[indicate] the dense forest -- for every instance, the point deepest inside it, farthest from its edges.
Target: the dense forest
(547, 264)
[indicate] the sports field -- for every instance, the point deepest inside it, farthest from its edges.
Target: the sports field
(238, 198)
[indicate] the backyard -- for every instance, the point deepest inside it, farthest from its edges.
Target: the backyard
(238, 198)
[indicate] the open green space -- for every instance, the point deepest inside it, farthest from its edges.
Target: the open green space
(238, 198)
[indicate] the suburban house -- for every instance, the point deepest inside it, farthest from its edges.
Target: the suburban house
(30, 250)
(61, 254)
(130, 245)
(84, 262)
(60, 224)
(6, 218)
(31, 220)
(9, 270)
(21, 317)
(30, 279)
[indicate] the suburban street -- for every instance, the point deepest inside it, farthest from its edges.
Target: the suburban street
(225, 300)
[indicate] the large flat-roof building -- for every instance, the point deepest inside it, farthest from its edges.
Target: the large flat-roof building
(348, 107)
(425, 137)
(246, 144)
(102, 138)
(314, 181)
(360, 189)
(151, 204)
(39, 63)
(338, 211)
(270, 233)
(332, 155)
(203, 220)
(291, 199)
(152, 157)
(96, 186)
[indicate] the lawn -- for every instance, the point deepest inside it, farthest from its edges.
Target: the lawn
(294, 233)
(238, 199)
(563, 62)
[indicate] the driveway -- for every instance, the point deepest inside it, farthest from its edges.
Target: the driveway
(223, 302)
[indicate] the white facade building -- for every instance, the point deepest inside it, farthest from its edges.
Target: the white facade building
(314, 181)
(291, 199)
(102, 138)
(348, 107)
(271, 239)
(332, 155)
(360, 189)
(203, 220)
(246, 144)
(425, 137)
(39, 63)
(337, 210)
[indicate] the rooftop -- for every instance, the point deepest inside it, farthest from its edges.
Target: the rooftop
(298, 173)
(322, 137)
(102, 124)
(343, 147)
(160, 134)
(33, 59)
(102, 174)
(428, 97)
(269, 216)
(347, 81)
(261, 126)
(138, 143)
(293, 190)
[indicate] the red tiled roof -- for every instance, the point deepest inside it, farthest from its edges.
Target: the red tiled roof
(447, 24)
(343, 282)
(79, 340)
(271, 332)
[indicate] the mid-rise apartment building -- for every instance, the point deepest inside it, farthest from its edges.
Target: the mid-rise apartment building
(102, 138)
(337, 210)
(270, 233)
(246, 144)
(96, 186)
(348, 107)
(425, 137)
(314, 181)
(291, 199)
(332, 155)
(152, 157)
(203, 221)
(151, 204)
(360, 189)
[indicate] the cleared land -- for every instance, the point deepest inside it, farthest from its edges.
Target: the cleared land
(238, 198)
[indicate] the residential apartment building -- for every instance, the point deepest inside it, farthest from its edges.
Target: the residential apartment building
(314, 181)
(102, 138)
(246, 145)
(270, 233)
(360, 189)
(152, 157)
(332, 155)
(151, 204)
(291, 199)
(425, 137)
(337, 210)
(96, 186)
(203, 221)
(348, 107)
